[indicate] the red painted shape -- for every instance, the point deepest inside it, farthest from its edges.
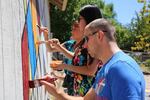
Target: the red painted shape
(25, 64)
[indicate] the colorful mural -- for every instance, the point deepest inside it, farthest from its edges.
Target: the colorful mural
(34, 57)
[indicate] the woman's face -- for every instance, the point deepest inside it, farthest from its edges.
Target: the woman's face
(78, 29)
(75, 31)
(82, 24)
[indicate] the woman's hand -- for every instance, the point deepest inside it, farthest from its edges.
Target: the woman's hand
(59, 67)
(55, 45)
(43, 29)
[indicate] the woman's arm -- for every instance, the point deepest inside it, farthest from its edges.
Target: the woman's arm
(85, 70)
(45, 31)
(61, 48)
(53, 45)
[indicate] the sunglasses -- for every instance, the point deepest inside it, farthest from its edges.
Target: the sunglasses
(86, 38)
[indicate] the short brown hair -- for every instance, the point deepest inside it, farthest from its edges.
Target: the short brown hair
(105, 26)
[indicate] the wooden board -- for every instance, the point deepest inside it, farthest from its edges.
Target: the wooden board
(61, 4)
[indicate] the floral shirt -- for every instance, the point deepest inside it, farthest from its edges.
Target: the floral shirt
(68, 80)
(69, 45)
(82, 83)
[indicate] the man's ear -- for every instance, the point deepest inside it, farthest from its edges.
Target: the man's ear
(100, 34)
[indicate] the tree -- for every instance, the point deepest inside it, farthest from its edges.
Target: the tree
(141, 28)
(61, 21)
(124, 36)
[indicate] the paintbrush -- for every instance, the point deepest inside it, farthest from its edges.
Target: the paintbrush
(36, 83)
(41, 42)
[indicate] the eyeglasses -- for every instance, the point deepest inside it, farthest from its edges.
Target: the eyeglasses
(87, 37)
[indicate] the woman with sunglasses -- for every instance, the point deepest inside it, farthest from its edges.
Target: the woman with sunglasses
(83, 67)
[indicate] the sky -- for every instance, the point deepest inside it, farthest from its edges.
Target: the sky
(125, 9)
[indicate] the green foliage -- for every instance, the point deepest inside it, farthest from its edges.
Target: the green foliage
(61, 21)
(127, 36)
(140, 27)
(124, 37)
(147, 62)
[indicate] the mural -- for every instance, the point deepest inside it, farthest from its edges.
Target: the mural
(21, 59)
(34, 57)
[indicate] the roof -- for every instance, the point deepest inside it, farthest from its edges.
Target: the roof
(61, 4)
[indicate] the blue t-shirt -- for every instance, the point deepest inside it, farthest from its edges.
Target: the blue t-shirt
(120, 79)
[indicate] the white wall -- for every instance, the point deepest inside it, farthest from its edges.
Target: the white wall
(12, 19)
(11, 26)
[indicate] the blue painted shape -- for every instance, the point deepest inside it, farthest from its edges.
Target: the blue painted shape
(32, 50)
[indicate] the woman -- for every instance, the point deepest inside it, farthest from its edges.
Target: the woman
(83, 69)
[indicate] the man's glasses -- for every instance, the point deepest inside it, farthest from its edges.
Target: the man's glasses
(86, 38)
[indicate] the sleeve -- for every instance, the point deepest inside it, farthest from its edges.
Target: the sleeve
(124, 82)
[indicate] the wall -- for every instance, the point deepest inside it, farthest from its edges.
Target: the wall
(13, 19)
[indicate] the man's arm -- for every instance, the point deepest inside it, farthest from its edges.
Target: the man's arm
(61, 95)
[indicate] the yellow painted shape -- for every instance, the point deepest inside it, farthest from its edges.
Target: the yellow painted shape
(34, 23)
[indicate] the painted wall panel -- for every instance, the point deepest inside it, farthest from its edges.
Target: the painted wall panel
(37, 54)
(12, 22)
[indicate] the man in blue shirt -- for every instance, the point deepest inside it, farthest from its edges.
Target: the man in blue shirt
(120, 78)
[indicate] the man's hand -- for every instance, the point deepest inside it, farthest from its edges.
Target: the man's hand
(49, 87)
(48, 79)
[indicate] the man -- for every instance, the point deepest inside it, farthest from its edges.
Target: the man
(119, 78)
